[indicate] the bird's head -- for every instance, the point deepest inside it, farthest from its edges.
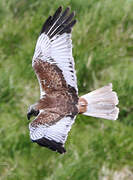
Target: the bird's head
(32, 111)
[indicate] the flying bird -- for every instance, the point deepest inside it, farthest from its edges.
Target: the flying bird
(59, 102)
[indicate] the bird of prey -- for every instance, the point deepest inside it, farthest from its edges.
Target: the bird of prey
(59, 102)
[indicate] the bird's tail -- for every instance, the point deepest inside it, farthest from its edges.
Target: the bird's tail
(100, 103)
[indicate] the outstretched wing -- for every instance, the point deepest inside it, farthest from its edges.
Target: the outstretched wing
(54, 66)
(51, 136)
(54, 46)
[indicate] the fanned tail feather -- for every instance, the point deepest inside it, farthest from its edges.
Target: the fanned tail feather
(100, 103)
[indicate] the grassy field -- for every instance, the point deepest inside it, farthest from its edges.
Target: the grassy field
(97, 149)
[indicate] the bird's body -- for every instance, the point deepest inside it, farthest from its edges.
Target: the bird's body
(59, 102)
(60, 99)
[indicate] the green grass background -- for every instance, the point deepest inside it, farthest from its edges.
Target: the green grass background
(103, 53)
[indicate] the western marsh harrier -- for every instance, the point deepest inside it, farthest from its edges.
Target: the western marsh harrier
(59, 102)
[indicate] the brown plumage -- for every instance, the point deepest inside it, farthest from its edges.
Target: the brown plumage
(50, 76)
(82, 105)
(59, 102)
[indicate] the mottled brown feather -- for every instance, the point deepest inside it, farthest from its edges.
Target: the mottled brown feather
(55, 107)
(46, 117)
(50, 76)
(60, 99)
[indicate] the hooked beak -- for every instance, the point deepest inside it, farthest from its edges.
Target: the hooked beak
(32, 113)
(29, 115)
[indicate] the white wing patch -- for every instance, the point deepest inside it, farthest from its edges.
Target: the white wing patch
(57, 50)
(57, 132)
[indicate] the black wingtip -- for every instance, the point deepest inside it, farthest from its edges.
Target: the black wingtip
(46, 24)
(57, 12)
(59, 23)
(51, 144)
(60, 8)
(68, 8)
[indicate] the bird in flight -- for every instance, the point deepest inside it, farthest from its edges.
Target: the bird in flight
(59, 102)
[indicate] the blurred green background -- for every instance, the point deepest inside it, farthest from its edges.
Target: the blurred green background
(97, 149)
